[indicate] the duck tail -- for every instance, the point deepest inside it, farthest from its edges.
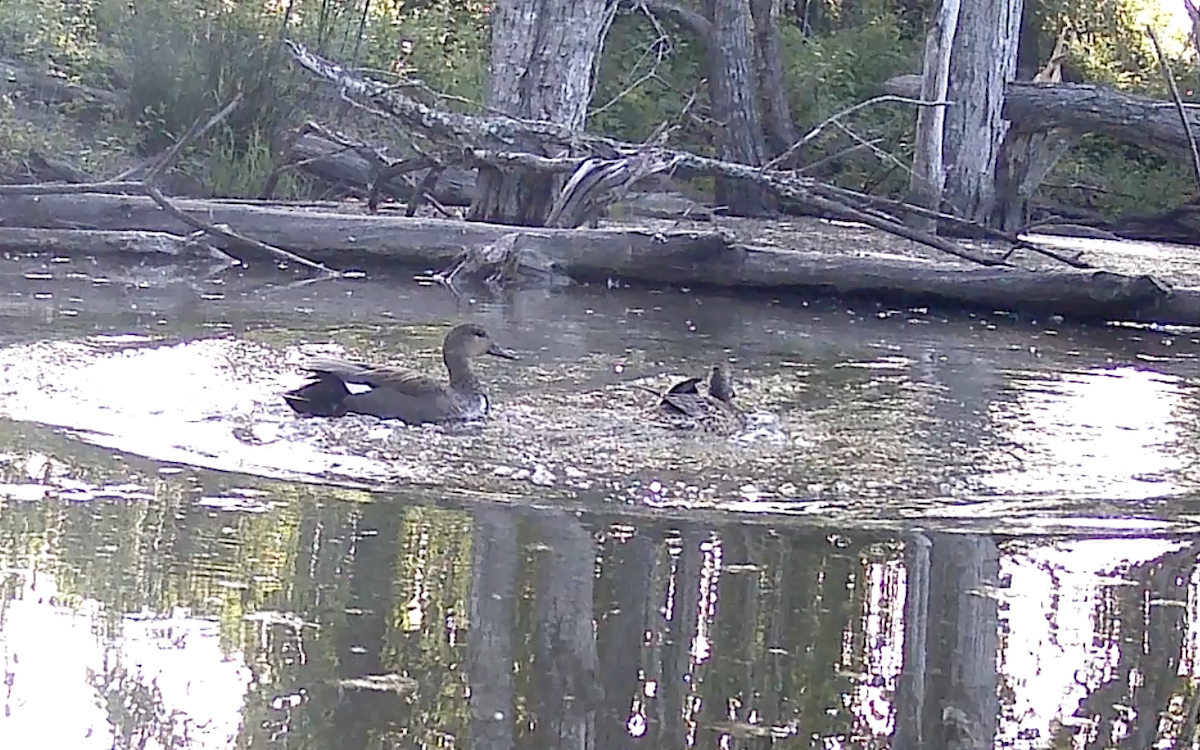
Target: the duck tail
(322, 397)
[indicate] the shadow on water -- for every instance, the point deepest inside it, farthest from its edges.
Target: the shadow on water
(955, 531)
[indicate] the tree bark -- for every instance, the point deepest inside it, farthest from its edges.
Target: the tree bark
(734, 95)
(928, 177)
(781, 131)
(543, 61)
(984, 60)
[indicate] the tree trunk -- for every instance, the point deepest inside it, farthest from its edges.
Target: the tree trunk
(928, 176)
(543, 61)
(734, 96)
(1028, 156)
(1029, 57)
(811, 16)
(781, 131)
(984, 60)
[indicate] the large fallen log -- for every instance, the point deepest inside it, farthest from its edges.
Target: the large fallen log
(680, 258)
(346, 238)
(55, 90)
(337, 164)
(1083, 108)
(494, 135)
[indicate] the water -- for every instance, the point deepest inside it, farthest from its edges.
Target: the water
(941, 526)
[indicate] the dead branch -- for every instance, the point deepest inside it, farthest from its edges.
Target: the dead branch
(1194, 16)
(864, 200)
(1183, 118)
(686, 17)
(598, 183)
(230, 235)
(59, 188)
(159, 163)
(837, 116)
(660, 47)
(814, 166)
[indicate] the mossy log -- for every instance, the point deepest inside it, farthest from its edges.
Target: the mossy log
(680, 258)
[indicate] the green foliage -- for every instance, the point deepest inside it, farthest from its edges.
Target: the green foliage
(829, 73)
(1109, 45)
(1113, 179)
(644, 82)
(449, 45)
(180, 61)
(58, 33)
(239, 165)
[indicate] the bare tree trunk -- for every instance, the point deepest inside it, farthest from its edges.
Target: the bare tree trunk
(781, 131)
(734, 96)
(543, 61)
(928, 177)
(983, 61)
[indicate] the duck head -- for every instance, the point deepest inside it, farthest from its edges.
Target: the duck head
(720, 382)
(471, 340)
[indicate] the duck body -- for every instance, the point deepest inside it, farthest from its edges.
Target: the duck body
(339, 387)
(685, 406)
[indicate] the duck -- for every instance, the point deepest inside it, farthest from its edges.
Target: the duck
(339, 387)
(686, 406)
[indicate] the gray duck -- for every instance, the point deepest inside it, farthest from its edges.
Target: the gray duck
(393, 393)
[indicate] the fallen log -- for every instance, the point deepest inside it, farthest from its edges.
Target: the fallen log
(344, 238)
(77, 242)
(679, 258)
(338, 165)
(1073, 110)
(332, 162)
(55, 90)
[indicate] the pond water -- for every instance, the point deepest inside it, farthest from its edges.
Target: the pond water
(940, 530)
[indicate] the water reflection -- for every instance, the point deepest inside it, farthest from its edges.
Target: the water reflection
(324, 619)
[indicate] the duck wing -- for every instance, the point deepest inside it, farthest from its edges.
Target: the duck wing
(377, 376)
(689, 386)
(683, 399)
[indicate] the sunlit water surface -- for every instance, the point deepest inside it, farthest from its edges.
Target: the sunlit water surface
(188, 564)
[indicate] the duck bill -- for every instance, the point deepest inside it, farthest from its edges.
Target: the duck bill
(497, 351)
